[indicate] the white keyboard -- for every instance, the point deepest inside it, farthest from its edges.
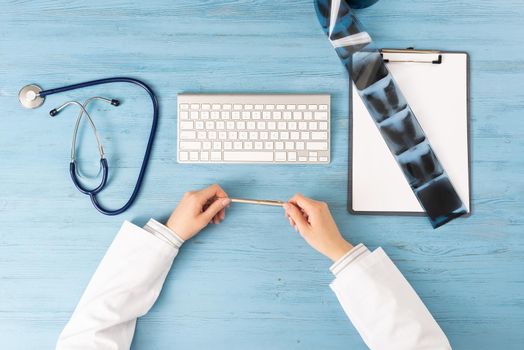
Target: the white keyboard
(291, 129)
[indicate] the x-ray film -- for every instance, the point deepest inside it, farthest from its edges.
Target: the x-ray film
(391, 112)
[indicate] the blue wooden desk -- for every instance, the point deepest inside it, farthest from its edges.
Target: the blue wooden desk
(251, 283)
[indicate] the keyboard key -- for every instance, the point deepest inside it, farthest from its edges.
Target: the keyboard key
(216, 155)
(216, 106)
(261, 125)
(230, 125)
(186, 125)
(266, 115)
(220, 125)
(319, 135)
(317, 146)
(248, 145)
(280, 156)
(281, 107)
(271, 125)
(241, 125)
(228, 145)
(301, 107)
(225, 115)
(269, 145)
(184, 115)
(274, 135)
(184, 156)
(201, 135)
(251, 125)
(253, 135)
(287, 115)
(302, 159)
(304, 135)
(291, 107)
(235, 115)
(323, 159)
(255, 156)
(227, 106)
(237, 107)
(323, 107)
(195, 106)
(193, 115)
(212, 135)
(204, 115)
(279, 145)
(206, 106)
(313, 126)
(187, 135)
(237, 145)
(295, 135)
(199, 125)
(323, 125)
(297, 115)
(242, 135)
(300, 145)
(289, 145)
(259, 107)
(264, 135)
(246, 115)
(292, 126)
(312, 107)
(292, 156)
(215, 115)
(302, 125)
(189, 145)
(282, 125)
(217, 145)
(308, 115)
(257, 115)
(184, 106)
(259, 145)
(233, 135)
(210, 125)
(248, 107)
(204, 156)
(277, 115)
(270, 107)
(222, 135)
(206, 145)
(284, 135)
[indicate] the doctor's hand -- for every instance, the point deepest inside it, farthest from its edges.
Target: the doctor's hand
(197, 209)
(316, 225)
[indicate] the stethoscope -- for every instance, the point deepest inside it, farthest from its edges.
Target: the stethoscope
(32, 96)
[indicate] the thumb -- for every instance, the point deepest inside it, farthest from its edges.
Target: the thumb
(214, 208)
(297, 216)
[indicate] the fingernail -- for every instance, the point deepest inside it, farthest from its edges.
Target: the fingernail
(225, 201)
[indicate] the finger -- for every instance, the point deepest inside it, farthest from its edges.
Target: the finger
(211, 192)
(296, 216)
(305, 204)
(214, 208)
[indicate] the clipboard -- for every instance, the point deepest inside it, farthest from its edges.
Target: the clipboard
(436, 85)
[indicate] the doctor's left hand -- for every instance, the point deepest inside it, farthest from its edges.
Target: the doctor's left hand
(197, 209)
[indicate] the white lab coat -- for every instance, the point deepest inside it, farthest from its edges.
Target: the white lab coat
(379, 301)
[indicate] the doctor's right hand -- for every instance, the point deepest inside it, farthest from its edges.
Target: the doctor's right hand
(197, 209)
(316, 225)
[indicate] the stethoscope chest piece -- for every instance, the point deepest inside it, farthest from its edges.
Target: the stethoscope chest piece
(29, 96)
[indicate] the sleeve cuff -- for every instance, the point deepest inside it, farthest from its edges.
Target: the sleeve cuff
(164, 233)
(358, 252)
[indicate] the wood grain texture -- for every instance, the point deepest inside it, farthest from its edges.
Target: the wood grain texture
(251, 283)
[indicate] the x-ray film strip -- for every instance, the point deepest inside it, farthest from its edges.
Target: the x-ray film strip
(391, 112)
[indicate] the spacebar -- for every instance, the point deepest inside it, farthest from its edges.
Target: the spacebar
(248, 156)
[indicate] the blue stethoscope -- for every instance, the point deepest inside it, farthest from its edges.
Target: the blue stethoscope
(32, 96)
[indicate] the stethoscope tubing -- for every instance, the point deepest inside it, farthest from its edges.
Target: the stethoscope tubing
(92, 193)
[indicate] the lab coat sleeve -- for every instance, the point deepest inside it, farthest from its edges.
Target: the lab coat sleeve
(124, 287)
(382, 305)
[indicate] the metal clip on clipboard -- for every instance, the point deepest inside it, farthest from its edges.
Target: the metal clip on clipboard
(411, 52)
